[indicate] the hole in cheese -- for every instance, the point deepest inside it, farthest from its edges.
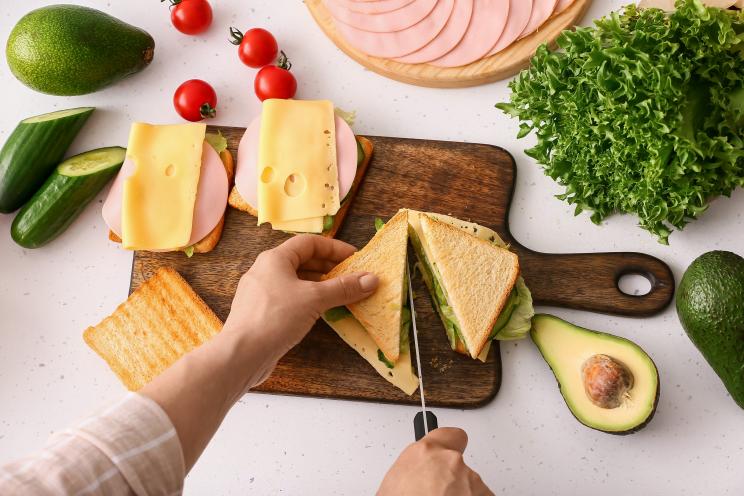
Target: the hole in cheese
(170, 170)
(267, 175)
(294, 185)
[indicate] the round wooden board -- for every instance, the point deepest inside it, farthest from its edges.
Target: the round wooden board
(494, 68)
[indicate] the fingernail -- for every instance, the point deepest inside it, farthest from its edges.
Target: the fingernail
(368, 282)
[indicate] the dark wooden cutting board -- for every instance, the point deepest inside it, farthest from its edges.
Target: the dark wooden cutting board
(469, 181)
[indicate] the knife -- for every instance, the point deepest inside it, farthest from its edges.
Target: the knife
(425, 421)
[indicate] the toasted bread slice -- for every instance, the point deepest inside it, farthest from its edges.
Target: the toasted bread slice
(384, 255)
(207, 243)
(477, 278)
(161, 321)
(236, 201)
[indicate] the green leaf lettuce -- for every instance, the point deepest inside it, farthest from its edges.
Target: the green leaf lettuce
(641, 113)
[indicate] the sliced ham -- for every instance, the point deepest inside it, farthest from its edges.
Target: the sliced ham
(486, 26)
(541, 12)
(399, 43)
(448, 38)
(211, 196)
(519, 17)
(373, 7)
(386, 22)
(562, 5)
(246, 175)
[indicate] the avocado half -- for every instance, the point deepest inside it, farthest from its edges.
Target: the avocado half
(609, 383)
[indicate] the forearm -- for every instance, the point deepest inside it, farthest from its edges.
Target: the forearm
(129, 448)
(199, 390)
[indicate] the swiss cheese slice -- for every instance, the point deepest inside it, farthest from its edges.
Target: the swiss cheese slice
(355, 335)
(313, 225)
(297, 168)
(158, 198)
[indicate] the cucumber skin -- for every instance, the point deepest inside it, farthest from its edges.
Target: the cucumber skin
(56, 205)
(31, 153)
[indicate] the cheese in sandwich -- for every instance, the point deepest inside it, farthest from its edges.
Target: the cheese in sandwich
(378, 327)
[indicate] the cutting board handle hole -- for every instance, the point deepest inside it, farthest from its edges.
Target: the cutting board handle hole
(635, 284)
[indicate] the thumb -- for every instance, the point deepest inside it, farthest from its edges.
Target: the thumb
(345, 289)
(449, 438)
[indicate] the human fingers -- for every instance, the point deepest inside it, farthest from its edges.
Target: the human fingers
(309, 275)
(477, 486)
(318, 265)
(345, 289)
(449, 438)
(305, 247)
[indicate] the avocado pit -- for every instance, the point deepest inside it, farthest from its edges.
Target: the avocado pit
(607, 381)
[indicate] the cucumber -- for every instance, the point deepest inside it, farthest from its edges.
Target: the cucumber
(73, 185)
(33, 149)
(360, 154)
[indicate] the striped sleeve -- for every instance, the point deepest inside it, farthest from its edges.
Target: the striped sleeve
(130, 448)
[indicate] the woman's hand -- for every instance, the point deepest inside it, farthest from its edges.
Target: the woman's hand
(279, 299)
(434, 466)
(277, 302)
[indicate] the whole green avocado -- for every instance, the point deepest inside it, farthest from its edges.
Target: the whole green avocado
(73, 50)
(710, 305)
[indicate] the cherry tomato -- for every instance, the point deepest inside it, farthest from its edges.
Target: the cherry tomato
(258, 47)
(275, 81)
(195, 100)
(191, 16)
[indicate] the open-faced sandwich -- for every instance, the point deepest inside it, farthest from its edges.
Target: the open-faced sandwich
(171, 192)
(299, 167)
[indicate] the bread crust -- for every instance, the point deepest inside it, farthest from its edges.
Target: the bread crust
(236, 201)
(209, 242)
(386, 258)
(160, 322)
(480, 338)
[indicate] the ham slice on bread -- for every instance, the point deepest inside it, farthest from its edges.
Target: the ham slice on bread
(246, 176)
(215, 179)
(244, 195)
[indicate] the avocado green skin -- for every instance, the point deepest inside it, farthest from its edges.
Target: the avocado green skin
(72, 50)
(710, 306)
(57, 204)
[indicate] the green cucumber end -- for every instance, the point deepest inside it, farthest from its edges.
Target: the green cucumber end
(93, 161)
(58, 115)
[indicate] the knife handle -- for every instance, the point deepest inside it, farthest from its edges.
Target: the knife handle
(418, 423)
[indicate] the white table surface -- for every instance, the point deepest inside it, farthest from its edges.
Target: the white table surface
(524, 442)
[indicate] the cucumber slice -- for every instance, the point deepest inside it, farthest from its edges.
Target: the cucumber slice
(360, 154)
(32, 151)
(66, 193)
(91, 162)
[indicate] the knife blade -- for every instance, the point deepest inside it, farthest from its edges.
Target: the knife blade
(424, 421)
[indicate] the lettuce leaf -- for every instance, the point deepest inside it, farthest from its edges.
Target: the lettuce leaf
(217, 141)
(640, 114)
(337, 313)
(349, 117)
(520, 322)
